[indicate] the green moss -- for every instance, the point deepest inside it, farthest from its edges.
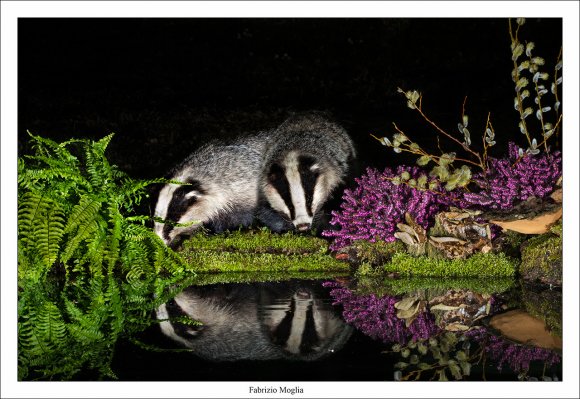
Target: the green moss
(434, 286)
(542, 259)
(557, 229)
(259, 251)
(511, 242)
(479, 265)
(253, 277)
(256, 241)
(377, 253)
(213, 262)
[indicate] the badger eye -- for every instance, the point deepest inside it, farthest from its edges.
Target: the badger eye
(192, 194)
(275, 173)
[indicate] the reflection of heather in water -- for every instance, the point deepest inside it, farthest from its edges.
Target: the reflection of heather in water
(377, 317)
(516, 357)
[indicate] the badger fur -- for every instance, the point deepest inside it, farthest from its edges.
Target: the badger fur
(220, 191)
(282, 176)
(307, 161)
(260, 321)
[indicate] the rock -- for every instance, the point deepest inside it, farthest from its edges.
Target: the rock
(521, 327)
(542, 259)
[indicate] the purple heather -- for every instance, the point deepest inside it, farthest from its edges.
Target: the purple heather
(515, 179)
(373, 208)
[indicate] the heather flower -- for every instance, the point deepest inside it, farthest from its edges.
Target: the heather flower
(377, 318)
(516, 356)
(372, 210)
(509, 180)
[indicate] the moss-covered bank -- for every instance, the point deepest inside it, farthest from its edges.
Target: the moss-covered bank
(542, 258)
(381, 286)
(259, 251)
(262, 277)
(480, 265)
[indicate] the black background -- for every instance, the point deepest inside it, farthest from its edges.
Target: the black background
(165, 86)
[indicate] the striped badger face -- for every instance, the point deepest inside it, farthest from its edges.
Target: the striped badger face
(300, 323)
(183, 204)
(254, 321)
(297, 186)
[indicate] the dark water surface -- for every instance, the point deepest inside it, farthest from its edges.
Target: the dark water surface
(291, 331)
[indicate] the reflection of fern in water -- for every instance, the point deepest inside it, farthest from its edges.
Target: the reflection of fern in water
(87, 274)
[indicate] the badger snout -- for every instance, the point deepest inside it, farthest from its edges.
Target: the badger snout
(303, 227)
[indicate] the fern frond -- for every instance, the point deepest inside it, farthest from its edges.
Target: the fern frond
(84, 233)
(115, 306)
(51, 179)
(132, 192)
(168, 260)
(49, 326)
(98, 168)
(83, 223)
(136, 259)
(84, 212)
(102, 144)
(97, 251)
(45, 146)
(67, 165)
(28, 214)
(48, 233)
(85, 328)
(115, 234)
(136, 232)
(134, 274)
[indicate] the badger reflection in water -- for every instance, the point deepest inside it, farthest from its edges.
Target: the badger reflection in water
(257, 321)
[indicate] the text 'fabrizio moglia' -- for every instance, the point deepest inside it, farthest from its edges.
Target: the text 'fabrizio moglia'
(290, 390)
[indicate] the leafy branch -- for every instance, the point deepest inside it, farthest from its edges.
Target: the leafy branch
(444, 169)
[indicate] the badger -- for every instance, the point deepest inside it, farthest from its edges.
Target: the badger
(219, 189)
(308, 159)
(282, 177)
(261, 321)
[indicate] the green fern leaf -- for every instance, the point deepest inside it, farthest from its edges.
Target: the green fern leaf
(98, 168)
(28, 214)
(49, 325)
(136, 232)
(115, 307)
(48, 233)
(82, 224)
(115, 234)
(96, 251)
(84, 233)
(85, 328)
(103, 143)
